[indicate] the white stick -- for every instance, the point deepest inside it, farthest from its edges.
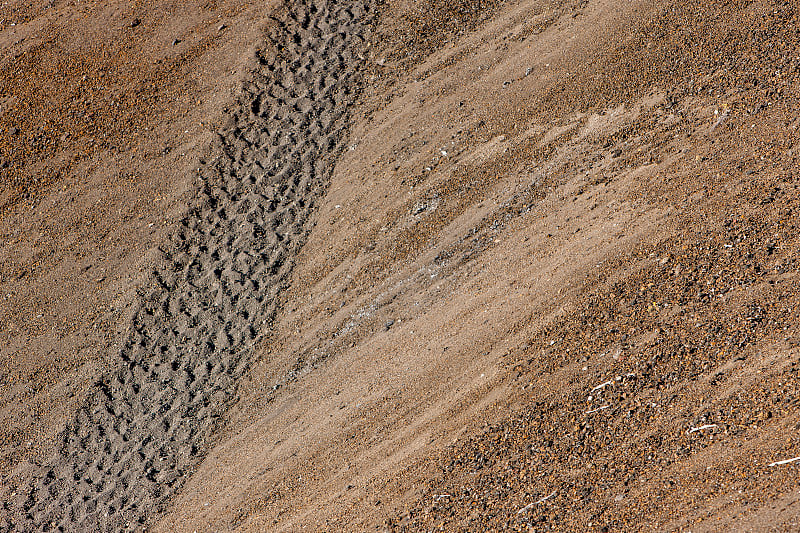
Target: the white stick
(540, 500)
(701, 428)
(785, 461)
(526, 508)
(547, 497)
(598, 409)
(602, 385)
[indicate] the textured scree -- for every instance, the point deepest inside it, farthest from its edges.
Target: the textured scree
(144, 427)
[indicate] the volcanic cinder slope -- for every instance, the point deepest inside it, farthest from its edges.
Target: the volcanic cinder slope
(526, 265)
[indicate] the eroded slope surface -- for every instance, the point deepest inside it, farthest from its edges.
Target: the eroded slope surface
(553, 287)
(146, 424)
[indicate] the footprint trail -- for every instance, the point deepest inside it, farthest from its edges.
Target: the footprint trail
(144, 428)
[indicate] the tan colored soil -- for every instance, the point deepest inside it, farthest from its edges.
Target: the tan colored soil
(553, 284)
(111, 119)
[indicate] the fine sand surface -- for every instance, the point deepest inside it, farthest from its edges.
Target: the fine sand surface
(406, 266)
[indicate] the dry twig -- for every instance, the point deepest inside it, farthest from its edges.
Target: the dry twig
(701, 428)
(603, 385)
(540, 500)
(785, 461)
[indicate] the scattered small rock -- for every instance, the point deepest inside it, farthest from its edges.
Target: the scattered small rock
(135, 22)
(389, 323)
(13, 131)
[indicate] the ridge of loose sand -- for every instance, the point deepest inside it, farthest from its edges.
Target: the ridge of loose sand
(213, 291)
(75, 245)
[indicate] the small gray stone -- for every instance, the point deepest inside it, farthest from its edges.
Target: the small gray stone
(389, 323)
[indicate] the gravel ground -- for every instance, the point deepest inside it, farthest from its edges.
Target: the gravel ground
(552, 284)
